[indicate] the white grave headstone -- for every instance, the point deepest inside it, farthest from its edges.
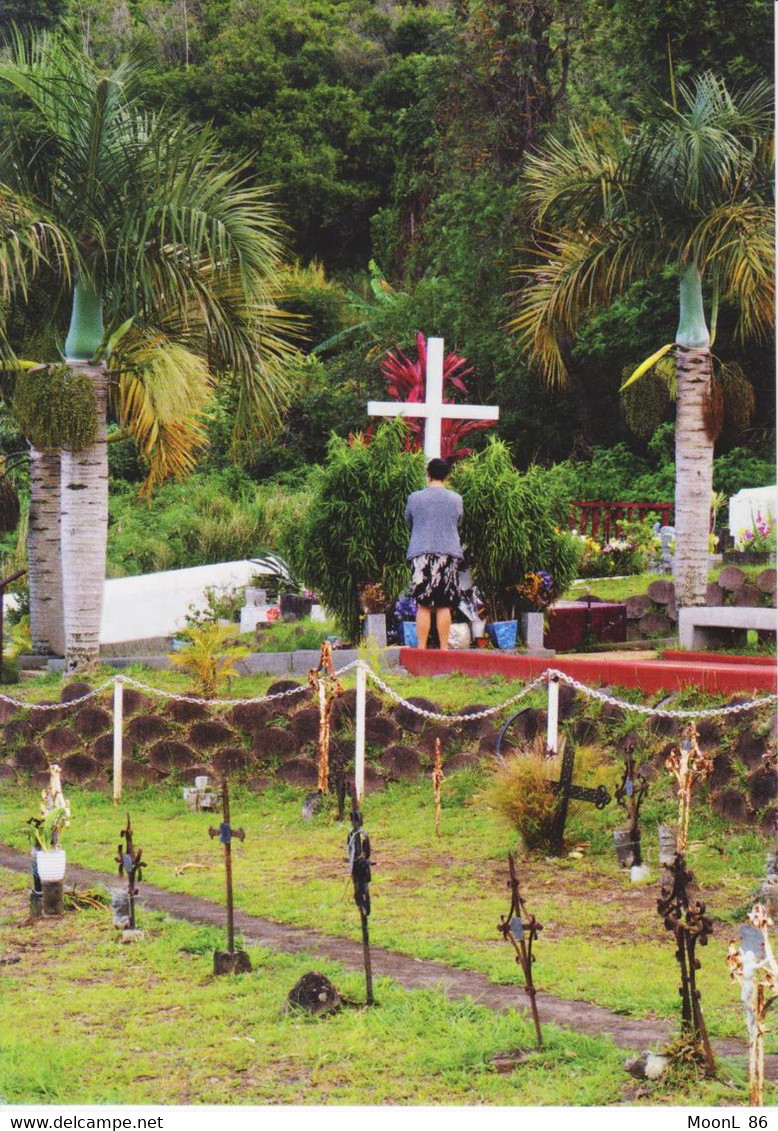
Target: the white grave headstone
(433, 410)
(254, 612)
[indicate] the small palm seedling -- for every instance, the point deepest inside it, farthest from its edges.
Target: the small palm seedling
(209, 656)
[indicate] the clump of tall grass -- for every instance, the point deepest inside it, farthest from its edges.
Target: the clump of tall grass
(520, 791)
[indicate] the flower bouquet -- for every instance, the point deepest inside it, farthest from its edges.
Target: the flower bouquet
(536, 591)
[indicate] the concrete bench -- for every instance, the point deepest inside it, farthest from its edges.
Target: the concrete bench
(709, 626)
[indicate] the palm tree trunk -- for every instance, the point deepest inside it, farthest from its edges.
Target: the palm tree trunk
(44, 566)
(693, 446)
(693, 476)
(84, 493)
(84, 519)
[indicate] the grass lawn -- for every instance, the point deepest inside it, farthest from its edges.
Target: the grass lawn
(434, 898)
(149, 1024)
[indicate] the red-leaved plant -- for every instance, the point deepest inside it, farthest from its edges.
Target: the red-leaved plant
(405, 381)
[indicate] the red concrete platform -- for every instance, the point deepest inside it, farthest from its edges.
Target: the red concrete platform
(720, 658)
(705, 670)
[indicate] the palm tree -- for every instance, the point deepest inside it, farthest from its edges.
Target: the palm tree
(143, 227)
(690, 189)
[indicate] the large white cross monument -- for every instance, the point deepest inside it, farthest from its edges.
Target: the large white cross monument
(433, 409)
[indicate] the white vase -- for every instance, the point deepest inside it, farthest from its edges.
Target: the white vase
(51, 865)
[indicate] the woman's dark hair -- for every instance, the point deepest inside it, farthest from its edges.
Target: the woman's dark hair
(437, 469)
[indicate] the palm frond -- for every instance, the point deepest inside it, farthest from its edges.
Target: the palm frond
(579, 271)
(161, 391)
(738, 240)
(28, 240)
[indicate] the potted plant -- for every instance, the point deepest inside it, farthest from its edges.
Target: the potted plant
(754, 545)
(534, 593)
(44, 832)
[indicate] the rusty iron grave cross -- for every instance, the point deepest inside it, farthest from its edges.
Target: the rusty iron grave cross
(230, 961)
(360, 865)
(521, 935)
(128, 857)
(690, 926)
(566, 792)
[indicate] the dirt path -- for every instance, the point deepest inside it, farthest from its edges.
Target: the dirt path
(412, 973)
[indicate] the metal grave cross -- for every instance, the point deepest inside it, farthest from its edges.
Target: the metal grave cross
(128, 857)
(598, 797)
(433, 409)
(358, 849)
(521, 936)
(225, 833)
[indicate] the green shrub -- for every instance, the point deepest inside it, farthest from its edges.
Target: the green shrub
(520, 790)
(512, 526)
(294, 636)
(353, 531)
(209, 655)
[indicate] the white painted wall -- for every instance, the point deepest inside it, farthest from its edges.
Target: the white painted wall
(156, 604)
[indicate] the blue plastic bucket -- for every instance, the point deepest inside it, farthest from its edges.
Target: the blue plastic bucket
(503, 633)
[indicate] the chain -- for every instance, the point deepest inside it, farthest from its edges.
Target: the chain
(25, 706)
(666, 712)
(485, 714)
(212, 702)
(550, 673)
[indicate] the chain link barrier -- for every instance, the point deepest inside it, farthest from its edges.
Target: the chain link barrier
(665, 712)
(541, 680)
(23, 705)
(468, 717)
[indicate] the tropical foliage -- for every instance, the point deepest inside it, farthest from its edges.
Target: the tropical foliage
(209, 655)
(511, 527)
(143, 225)
(690, 188)
(353, 532)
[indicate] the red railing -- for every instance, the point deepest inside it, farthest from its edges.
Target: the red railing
(605, 520)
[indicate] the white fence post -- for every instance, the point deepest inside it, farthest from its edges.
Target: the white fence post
(118, 730)
(552, 730)
(359, 746)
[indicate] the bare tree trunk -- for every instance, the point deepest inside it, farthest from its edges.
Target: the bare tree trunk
(693, 476)
(44, 567)
(84, 517)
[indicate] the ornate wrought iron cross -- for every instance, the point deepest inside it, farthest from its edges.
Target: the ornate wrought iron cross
(566, 792)
(225, 833)
(521, 935)
(128, 857)
(358, 848)
(690, 926)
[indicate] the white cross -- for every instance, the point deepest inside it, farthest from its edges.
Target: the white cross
(432, 409)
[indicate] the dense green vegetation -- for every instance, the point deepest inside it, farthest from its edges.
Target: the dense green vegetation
(398, 134)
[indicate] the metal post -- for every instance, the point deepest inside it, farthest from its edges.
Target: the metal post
(359, 747)
(118, 728)
(552, 731)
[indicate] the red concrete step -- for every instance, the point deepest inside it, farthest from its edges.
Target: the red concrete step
(712, 673)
